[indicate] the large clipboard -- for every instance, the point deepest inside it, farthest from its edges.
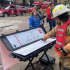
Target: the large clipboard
(13, 36)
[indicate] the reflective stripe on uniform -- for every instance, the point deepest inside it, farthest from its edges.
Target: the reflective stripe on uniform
(61, 30)
(59, 43)
(68, 46)
(60, 35)
(63, 55)
(68, 55)
(67, 38)
(47, 36)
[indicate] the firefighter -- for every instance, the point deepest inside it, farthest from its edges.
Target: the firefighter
(62, 30)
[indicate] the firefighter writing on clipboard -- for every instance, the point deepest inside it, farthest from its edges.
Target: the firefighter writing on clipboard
(62, 30)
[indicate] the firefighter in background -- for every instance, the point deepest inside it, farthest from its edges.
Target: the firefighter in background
(52, 22)
(60, 13)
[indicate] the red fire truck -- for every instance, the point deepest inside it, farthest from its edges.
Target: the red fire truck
(12, 10)
(44, 5)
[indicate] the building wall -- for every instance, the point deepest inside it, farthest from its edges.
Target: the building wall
(5, 2)
(58, 1)
(9, 0)
(21, 1)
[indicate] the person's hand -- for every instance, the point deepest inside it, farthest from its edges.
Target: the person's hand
(43, 40)
(40, 23)
(44, 14)
(62, 52)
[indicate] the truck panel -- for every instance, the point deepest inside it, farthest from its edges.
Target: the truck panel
(44, 5)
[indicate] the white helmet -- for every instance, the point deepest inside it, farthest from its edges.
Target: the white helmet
(58, 10)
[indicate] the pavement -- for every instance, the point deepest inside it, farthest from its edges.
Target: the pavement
(10, 25)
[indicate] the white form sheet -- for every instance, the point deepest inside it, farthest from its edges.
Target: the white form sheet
(23, 38)
(33, 47)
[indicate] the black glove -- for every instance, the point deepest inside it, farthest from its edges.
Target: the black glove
(43, 39)
(61, 48)
(64, 52)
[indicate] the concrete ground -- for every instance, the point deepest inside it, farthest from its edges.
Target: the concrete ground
(11, 24)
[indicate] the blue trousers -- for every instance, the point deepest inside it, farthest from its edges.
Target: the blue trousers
(52, 23)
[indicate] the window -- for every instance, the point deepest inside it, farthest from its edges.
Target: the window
(5, 7)
(17, 7)
(12, 7)
(34, 5)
